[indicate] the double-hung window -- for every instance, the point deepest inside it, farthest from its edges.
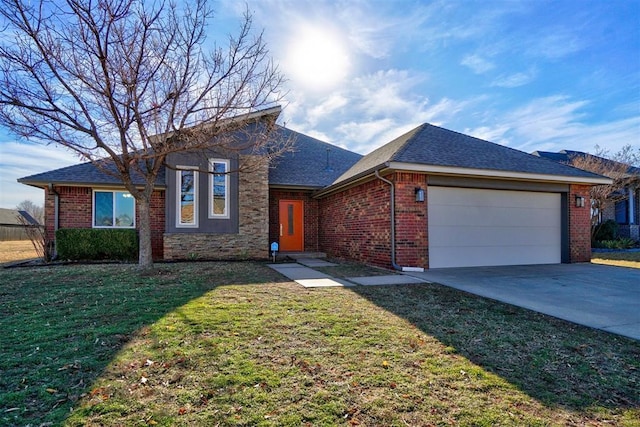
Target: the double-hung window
(187, 185)
(218, 188)
(113, 209)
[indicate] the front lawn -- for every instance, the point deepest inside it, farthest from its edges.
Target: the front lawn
(237, 344)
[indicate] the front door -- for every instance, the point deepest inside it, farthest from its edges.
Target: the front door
(291, 225)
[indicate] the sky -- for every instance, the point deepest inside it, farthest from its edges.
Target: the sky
(530, 75)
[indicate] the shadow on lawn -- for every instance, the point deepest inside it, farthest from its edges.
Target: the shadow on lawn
(61, 326)
(556, 362)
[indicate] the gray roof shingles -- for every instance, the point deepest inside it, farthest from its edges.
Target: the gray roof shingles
(433, 145)
(86, 174)
(310, 163)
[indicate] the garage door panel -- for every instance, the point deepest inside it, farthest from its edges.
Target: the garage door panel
(506, 255)
(473, 227)
(490, 236)
(474, 216)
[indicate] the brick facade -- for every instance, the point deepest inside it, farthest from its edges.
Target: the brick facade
(354, 224)
(311, 216)
(579, 224)
(412, 246)
(75, 210)
(251, 241)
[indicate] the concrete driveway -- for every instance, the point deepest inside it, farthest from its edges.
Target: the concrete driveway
(599, 296)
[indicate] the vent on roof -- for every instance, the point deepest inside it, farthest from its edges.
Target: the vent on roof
(328, 167)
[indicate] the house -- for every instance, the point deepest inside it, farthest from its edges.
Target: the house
(430, 198)
(13, 223)
(623, 206)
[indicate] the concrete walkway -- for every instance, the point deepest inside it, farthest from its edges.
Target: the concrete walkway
(302, 274)
(599, 296)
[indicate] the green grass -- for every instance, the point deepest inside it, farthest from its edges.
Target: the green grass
(236, 344)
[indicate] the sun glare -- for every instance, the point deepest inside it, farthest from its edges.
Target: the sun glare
(317, 59)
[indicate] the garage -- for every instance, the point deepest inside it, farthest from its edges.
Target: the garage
(471, 227)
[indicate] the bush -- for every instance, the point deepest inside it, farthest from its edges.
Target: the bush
(607, 230)
(97, 244)
(622, 243)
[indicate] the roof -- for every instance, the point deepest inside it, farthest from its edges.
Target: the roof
(446, 151)
(310, 163)
(566, 156)
(11, 217)
(90, 174)
(85, 174)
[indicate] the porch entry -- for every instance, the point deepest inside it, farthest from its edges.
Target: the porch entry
(291, 216)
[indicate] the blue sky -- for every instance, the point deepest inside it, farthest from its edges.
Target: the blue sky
(531, 75)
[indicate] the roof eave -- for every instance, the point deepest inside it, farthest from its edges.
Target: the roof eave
(351, 181)
(45, 184)
(498, 174)
(295, 187)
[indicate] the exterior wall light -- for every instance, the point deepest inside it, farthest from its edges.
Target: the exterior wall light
(579, 201)
(419, 194)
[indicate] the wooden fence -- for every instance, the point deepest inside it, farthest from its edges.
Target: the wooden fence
(12, 232)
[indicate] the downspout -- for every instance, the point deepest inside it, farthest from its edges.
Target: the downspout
(393, 220)
(56, 208)
(393, 227)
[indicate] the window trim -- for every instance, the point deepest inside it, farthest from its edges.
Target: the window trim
(113, 208)
(179, 170)
(227, 186)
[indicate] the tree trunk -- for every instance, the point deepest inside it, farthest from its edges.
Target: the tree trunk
(145, 256)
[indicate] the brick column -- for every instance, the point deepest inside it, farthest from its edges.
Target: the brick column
(579, 224)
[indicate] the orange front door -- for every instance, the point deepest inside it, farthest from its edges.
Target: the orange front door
(291, 225)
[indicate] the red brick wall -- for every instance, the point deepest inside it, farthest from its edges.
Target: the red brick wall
(75, 211)
(579, 224)
(355, 224)
(411, 220)
(310, 216)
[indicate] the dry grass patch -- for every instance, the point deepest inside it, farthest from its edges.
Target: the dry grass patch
(233, 344)
(16, 250)
(620, 259)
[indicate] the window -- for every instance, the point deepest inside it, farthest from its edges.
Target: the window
(219, 188)
(113, 209)
(187, 215)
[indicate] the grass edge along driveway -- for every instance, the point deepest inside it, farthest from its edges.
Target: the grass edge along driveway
(237, 344)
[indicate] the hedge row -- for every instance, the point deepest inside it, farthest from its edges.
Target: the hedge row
(97, 244)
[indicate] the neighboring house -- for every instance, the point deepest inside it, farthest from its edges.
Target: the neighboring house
(453, 200)
(623, 205)
(12, 226)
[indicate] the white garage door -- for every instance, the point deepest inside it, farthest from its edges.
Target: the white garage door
(470, 227)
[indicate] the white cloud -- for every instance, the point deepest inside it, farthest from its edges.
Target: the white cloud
(328, 106)
(514, 80)
(19, 160)
(478, 64)
(556, 43)
(555, 123)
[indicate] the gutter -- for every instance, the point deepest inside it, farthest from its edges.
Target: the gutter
(393, 226)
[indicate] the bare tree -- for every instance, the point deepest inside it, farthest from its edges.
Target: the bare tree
(615, 166)
(36, 211)
(131, 81)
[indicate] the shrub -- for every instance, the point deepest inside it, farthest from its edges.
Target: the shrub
(622, 243)
(97, 244)
(607, 230)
